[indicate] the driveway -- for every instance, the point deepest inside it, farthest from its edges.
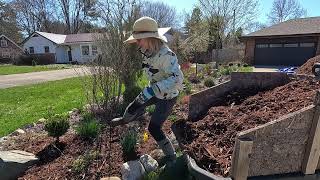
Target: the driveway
(266, 68)
(7, 81)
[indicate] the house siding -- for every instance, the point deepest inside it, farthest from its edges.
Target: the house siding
(11, 50)
(249, 51)
(62, 54)
(39, 43)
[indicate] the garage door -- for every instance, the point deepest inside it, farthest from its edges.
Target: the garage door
(292, 54)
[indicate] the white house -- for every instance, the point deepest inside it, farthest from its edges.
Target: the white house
(62, 48)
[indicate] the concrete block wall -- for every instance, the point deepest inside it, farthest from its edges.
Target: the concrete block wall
(200, 102)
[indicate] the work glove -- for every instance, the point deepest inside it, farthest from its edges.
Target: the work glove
(135, 108)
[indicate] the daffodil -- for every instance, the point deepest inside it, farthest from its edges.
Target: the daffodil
(145, 137)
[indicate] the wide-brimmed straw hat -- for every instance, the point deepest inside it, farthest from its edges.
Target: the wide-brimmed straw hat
(146, 27)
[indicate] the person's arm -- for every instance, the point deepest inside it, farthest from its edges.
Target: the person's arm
(172, 68)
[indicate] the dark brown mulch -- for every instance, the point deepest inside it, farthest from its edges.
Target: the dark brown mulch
(210, 141)
(306, 68)
(57, 165)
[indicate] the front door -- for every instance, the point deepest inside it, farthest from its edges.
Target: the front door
(70, 56)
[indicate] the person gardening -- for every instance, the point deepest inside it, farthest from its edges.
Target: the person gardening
(165, 82)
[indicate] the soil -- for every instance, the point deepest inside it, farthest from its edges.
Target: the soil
(306, 68)
(56, 161)
(210, 140)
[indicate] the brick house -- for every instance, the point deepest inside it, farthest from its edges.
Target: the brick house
(9, 50)
(290, 43)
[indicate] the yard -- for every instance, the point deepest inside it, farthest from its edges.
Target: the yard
(13, 69)
(24, 105)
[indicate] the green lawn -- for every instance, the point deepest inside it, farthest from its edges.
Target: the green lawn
(12, 69)
(24, 105)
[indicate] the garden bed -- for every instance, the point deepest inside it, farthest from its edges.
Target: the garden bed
(60, 166)
(211, 139)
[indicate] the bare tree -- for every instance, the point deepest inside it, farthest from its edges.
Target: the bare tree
(118, 63)
(8, 23)
(283, 10)
(35, 15)
(75, 13)
(225, 16)
(163, 13)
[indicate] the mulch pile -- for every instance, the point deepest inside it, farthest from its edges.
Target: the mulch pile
(210, 141)
(60, 167)
(306, 68)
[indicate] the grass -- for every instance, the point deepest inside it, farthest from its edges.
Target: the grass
(12, 69)
(24, 105)
(246, 69)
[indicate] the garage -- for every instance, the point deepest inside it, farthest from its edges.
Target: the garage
(284, 54)
(290, 43)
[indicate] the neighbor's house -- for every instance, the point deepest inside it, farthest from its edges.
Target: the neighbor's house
(59, 48)
(290, 43)
(9, 50)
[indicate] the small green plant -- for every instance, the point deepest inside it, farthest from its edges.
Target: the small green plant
(187, 86)
(83, 161)
(88, 128)
(173, 118)
(150, 109)
(57, 125)
(208, 69)
(209, 82)
(129, 141)
(153, 175)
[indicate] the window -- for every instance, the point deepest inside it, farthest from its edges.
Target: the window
(35, 35)
(94, 50)
(306, 44)
(290, 45)
(5, 55)
(31, 50)
(85, 50)
(46, 49)
(3, 43)
(261, 45)
(275, 45)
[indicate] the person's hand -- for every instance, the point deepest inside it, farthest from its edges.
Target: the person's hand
(147, 93)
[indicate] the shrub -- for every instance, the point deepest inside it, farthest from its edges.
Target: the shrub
(35, 59)
(88, 128)
(130, 94)
(57, 125)
(208, 69)
(129, 141)
(194, 79)
(209, 82)
(82, 162)
(187, 86)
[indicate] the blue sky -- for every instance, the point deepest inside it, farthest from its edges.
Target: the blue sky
(312, 7)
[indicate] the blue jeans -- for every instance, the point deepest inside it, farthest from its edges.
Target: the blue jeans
(162, 110)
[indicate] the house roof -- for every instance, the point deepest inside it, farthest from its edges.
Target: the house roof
(2, 35)
(56, 38)
(300, 26)
(78, 38)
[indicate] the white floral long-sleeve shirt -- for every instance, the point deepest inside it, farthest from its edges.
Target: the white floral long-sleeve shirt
(164, 74)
